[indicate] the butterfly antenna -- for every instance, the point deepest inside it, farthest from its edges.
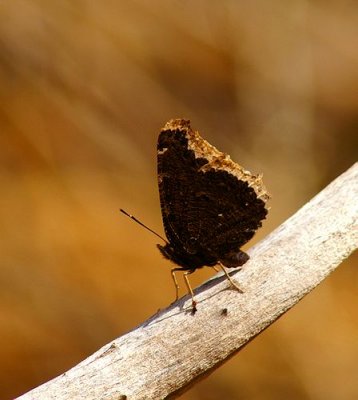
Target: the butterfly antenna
(140, 223)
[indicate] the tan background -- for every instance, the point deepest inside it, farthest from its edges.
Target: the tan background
(85, 87)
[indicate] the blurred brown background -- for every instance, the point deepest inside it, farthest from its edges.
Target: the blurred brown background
(85, 87)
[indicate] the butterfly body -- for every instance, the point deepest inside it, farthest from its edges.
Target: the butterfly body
(210, 205)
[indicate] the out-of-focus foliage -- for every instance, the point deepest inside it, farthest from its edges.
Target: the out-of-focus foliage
(85, 87)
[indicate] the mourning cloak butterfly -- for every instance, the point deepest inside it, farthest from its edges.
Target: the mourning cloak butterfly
(210, 205)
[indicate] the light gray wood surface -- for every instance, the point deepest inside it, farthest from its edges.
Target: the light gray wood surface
(171, 350)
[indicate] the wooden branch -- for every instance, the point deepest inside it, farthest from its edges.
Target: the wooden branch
(167, 353)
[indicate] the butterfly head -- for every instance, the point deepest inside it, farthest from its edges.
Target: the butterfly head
(179, 257)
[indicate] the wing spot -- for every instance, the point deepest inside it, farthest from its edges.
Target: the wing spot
(160, 152)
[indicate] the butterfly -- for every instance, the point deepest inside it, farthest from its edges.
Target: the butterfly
(211, 206)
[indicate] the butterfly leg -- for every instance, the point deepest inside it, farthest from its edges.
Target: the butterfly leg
(229, 278)
(190, 290)
(173, 270)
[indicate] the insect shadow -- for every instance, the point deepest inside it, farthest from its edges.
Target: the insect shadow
(165, 313)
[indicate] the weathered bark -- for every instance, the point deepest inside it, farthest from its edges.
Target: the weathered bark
(171, 350)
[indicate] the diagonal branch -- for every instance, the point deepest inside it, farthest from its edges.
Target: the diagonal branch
(167, 353)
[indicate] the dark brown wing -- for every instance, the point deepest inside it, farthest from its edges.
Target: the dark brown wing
(207, 209)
